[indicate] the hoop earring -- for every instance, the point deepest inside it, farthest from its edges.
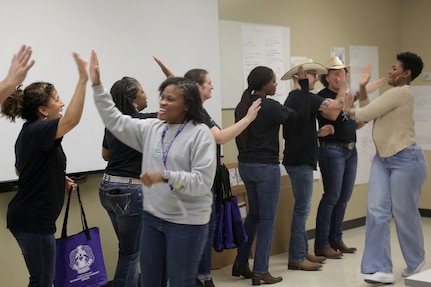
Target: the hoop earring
(402, 83)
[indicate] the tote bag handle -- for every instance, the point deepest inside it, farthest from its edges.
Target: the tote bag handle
(83, 218)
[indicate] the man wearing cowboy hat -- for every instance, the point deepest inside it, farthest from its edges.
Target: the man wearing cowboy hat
(338, 163)
(300, 157)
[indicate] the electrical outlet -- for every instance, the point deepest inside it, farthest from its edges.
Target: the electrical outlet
(426, 76)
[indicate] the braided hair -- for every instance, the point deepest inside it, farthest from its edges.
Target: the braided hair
(123, 93)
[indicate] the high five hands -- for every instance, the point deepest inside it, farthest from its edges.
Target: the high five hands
(94, 69)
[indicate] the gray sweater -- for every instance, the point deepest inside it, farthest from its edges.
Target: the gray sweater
(190, 160)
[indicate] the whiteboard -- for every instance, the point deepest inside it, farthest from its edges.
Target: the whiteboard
(235, 71)
(126, 35)
(359, 57)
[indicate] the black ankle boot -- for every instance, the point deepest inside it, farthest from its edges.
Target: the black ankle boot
(266, 278)
(238, 270)
(208, 283)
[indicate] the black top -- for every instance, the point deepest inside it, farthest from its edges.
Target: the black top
(300, 141)
(41, 164)
(211, 123)
(345, 127)
(124, 160)
(261, 144)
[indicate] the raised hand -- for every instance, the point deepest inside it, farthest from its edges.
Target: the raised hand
(165, 69)
(20, 65)
(348, 101)
(82, 66)
(366, 75)
(18, 69)
(302, 74)
(94, 69)
(374, 85)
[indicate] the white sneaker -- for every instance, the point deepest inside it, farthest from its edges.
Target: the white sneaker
(380, 277)
(407, 272)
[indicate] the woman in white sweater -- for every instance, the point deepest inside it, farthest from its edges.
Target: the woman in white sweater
(178, 168)
(398, 172)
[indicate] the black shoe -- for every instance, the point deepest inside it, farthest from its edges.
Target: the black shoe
(266, 278)
(238, 270)
(208, 283)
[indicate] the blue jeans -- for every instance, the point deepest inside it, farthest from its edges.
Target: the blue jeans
(301, 178)
(204, 271)
(338, 167)
(170, 252)
(262, 182)
(394, 190)
(123, 202)
(39, 255)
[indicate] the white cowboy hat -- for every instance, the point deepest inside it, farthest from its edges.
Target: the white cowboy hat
(336, 64)
(308, 65)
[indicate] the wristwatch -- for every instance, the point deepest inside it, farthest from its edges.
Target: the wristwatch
(166, 174)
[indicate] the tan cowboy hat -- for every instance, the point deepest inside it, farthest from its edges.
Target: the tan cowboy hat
(336, 64)
(308, 65)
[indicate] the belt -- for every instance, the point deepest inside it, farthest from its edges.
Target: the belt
(121, 179)
(347, 145)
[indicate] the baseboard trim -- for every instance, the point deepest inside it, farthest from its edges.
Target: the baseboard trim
(425, 212)
(361, 222)
(349, 224)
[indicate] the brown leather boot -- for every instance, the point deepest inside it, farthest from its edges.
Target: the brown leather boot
(328, 252)
(304, 265)
(266, 278)
(238, 270)
(314, 258)
(342, 247)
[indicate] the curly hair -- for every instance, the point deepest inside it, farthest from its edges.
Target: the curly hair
(192, 97)
(411, 61)
(25, 103)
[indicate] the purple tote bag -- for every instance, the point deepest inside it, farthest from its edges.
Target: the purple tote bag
(79, 258)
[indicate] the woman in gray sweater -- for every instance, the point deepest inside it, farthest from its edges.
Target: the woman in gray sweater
(178, 169)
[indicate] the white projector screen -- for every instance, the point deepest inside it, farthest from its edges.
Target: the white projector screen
(126, 35)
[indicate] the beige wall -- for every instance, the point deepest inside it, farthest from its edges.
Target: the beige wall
(392, 25)
(316, 26)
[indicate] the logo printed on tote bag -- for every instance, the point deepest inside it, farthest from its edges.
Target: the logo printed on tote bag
(81, 258)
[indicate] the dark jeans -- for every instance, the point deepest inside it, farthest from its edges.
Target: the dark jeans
(123, 202)
(301, 178)
(39, 255)
(262, 182)
(338, 167)
(204, 271)
(170, 252)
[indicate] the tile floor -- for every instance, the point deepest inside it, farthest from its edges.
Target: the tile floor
(338, 273)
